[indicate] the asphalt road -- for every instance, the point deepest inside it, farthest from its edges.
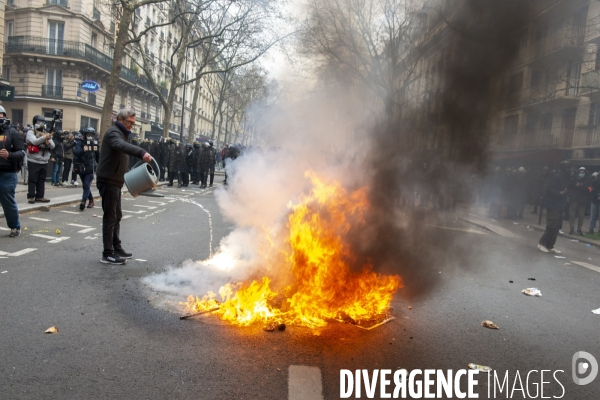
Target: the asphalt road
(117, 340)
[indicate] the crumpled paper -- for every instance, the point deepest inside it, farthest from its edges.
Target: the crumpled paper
(532, 292)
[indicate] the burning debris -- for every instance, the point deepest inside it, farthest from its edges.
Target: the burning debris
(313, 275)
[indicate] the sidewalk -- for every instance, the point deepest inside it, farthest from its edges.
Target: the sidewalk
(479, 216)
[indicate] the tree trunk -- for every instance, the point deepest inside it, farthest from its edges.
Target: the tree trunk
(191, 136)
(115, 73)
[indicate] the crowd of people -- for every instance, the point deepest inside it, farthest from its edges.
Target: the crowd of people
(195, 162)
(76, 154)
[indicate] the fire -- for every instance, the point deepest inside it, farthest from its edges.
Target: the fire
(324, 287)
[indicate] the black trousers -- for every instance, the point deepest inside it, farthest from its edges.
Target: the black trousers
(111, 220)
(211, 172)
(203, 175)
(37, 180)
(171, 177)
(184, 178)
(553, 225)
(67, 169)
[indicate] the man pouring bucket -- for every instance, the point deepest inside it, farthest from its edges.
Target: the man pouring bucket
(111, 170)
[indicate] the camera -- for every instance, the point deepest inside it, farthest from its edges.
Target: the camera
(4, 124)
(56, 117)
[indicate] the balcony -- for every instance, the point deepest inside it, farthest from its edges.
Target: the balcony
(55, 92)
(65, 48)
(96, 14)
(62, 3)
(538, 139)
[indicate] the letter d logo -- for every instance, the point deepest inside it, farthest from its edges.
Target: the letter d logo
(583, 368)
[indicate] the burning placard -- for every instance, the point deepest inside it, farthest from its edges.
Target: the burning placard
(325, 281)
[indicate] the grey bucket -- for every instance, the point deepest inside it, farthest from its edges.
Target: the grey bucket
(142, 178)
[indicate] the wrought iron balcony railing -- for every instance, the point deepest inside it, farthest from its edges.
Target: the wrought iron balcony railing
(52, 91)
(66, 48)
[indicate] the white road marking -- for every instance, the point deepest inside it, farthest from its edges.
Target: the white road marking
(86, 230)
(160, 203)
(148, 207)
(80, 226)
(171, 201)
(127, 216)
(586, 265)
(91, 237)
(304, 383)
(41, 219)
(4, 229)
(70, 212)
(17, 253)
(52, 238)
(139, 259)
(134, 212)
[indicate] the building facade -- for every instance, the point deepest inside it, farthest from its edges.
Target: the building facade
(53, 46)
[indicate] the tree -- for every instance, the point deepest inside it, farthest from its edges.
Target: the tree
(365, 41)
(124, 11)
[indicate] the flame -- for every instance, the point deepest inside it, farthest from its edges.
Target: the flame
(323, 287)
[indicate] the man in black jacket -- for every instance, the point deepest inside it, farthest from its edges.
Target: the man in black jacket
(555, 200)
(11, 157)
(111, 170)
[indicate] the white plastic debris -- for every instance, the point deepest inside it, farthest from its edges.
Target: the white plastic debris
(139, 259)
(559, 257)
(596, 311)
(532, 292)
(574, 240)
(4, 272)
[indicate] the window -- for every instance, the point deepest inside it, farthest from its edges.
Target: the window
(515, 83)
(53, 77)
(56, 35)
(94, 40)
(17, 116)
(87, 122)
(10, 28)
(7, 73)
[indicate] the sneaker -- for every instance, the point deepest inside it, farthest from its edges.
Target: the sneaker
(580, 233)
(91, 204)
(122, 253)
(113, 259)
(31, 200)
(543, 249)
(42, 200)
(75, 183)
(554, 250)
(60, 184)
(561, 232)
(14, 232)
(81, 206)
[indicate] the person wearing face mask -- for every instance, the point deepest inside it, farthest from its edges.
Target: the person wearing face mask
(578, 198)
(86, 158)
(39, 148)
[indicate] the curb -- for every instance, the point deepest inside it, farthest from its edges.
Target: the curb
(540, 229)
(478, 225)
(62, 203)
